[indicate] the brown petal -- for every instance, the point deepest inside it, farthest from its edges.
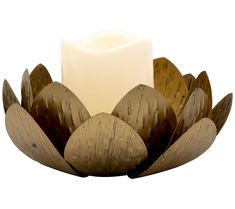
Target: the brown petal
(39, 78)
(221, 111)
(150, 115)
(195, 109)
(104, 145)
(31, 140)
(58, 112)
(203, 82)
(26, 92)
(8, 96)
(170, 83)
(188, 147)
(189, 79)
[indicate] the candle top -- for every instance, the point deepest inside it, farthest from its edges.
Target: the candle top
(105, 42)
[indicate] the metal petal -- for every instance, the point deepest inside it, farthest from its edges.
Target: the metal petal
(170, 83)
(58, 112)
(150, 115)
(39, 78)
(8, 96)
(26, 92)
(189, 79)
(188, 147)
(104, 145)
(195, 109)
(31, 140)
(221, 111)
(203, 82)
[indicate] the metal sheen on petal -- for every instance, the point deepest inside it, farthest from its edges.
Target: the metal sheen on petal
(8, 96)
(170, 83)
(195, 109)
(221, 111)
(104, 145)
(189, 146)
(32, 141)
(39, 78)
(58, 112)
(26, 92)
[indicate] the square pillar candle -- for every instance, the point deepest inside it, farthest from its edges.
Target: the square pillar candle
(102, 68)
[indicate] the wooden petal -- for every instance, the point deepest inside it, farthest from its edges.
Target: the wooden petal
(105, 146)
(58, 112)
(31, 140)
(195, 109)
(170, 83)
(26, 92)
(189, 79)
(8, 96)
(203, 82)
(188, 147)
(39, 78)
(150, 115)
(221, 111)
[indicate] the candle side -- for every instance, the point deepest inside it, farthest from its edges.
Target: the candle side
(102, 74)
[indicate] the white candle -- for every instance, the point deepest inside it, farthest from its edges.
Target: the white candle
(102, 68)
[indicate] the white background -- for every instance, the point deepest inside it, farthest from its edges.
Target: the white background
(195, 35)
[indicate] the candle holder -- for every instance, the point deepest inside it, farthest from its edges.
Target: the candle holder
(149, 131)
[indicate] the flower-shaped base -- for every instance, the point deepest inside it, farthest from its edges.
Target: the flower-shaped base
(150, 130)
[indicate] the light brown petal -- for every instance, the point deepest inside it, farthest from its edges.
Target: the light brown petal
(189, 79)
(221, 111)
(170, 83)
(150, 115)
(58, 112)
(31, 140)
(104, 145)
(195, 109)
(188, 147)
(39, 78)
(203, 82)
(8, 96)
(26, 92)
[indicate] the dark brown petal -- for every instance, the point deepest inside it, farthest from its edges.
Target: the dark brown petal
(189, 79)
(58, 112)
(26, 92)
(104, 145)
(39, 78)
(188, 147)
(221, 111)
(31, 140)
(203, 82)
(170, 83)
(150, 115)
(195, 109)
(8, 96)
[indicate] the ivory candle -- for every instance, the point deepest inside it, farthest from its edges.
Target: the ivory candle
(102, 68)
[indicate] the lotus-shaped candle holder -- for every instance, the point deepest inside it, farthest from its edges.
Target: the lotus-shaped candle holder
(150, 130)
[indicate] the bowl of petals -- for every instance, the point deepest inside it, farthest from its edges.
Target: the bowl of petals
(150, 130)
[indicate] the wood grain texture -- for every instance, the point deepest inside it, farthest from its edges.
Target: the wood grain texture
(203, 82)
(221, 111)
(195, 109)
(39, 78)
(189, 146)
(26, 92)
(170, 83)
(104, 145)
(151, 116)
(58, 112)
(8, 96)
(189, 79)
(32, 141)
(148, 113)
